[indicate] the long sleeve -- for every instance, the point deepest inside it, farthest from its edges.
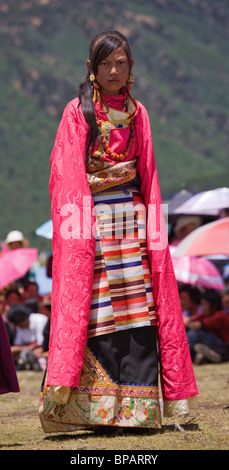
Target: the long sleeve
(73, 250)
(177, 376)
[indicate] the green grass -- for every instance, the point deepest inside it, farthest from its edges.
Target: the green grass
(206, 429)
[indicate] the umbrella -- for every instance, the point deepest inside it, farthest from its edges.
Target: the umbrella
(209, 239)
(14, 264)
(44, 282)
(205, 203)
(45, 230)
(226, 271)
(177, 199)
(194, 270)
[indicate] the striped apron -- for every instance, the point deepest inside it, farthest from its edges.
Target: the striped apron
(119, 378)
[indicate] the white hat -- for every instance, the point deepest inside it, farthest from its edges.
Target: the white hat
(15, 236)
(185, 220)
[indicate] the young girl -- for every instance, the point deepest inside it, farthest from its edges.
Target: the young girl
(115, 305)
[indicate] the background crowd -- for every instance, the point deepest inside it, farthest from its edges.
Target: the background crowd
(26, 313)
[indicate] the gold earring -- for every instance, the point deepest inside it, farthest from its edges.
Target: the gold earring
(130, 82)
(92, 77)
(131, 78)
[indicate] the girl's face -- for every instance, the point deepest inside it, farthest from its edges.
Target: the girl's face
(113, 72)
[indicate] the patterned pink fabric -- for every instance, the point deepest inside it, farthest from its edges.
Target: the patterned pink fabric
(73, 259)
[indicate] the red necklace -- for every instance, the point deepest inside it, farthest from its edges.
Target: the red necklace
(114, 155)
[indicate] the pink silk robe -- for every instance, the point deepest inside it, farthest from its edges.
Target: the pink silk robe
(73, 259)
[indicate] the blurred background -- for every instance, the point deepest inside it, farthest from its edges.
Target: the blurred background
(181, 75)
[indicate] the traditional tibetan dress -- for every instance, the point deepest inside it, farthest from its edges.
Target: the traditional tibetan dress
(106, 324)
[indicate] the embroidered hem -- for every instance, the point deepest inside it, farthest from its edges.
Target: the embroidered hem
(180, 408)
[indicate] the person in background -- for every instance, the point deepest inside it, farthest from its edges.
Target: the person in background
(8, 298)
(2, 301)
(190, 298)
(208, 333)
(31, 296)
(13, 297)
(184, 225)
(225, 298)
(29, 333)
(14, 240)
(31, 291)
(223, 213)
(41, 351)
(8, 377)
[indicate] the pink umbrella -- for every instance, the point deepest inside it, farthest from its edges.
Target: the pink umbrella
(209, 239)
(201, 271)
(14, 264)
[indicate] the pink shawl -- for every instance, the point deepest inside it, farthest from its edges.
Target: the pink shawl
(74, 253)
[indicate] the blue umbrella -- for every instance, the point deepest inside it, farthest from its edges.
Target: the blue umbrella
(44, 282)
(226, 271)
(45, 230)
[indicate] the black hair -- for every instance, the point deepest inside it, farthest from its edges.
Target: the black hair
(30, 283)
(17, 313)
(12, 291)
(32, 304)
(102, 45)
(213, 297)
(193, 292)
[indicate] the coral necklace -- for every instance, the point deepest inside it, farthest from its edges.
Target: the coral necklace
(100, 99)
(113, 155)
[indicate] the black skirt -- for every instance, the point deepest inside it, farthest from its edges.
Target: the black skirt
(118, 386)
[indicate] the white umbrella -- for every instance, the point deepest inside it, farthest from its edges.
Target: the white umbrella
(177, 199)
(205, 203)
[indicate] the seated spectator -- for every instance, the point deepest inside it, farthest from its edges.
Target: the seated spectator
(8, 376)
(223, 213)
(190, 297)
(28, 335)
(184, 225)
(14, 240)
(2, 301)
(211, 329)
(31, 291)
(225, 298)
(49, 266)
(32, 304)
(12, 297)
(10, 329)
(41, 352)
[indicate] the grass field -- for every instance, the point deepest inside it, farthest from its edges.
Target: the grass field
(208, 429)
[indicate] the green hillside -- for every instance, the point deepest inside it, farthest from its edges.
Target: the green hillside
(181, 75)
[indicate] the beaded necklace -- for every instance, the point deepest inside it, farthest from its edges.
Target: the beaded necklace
(113, 155)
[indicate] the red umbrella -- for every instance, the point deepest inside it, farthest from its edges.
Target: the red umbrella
(194, 270)
(209, 239)
(14, 264)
